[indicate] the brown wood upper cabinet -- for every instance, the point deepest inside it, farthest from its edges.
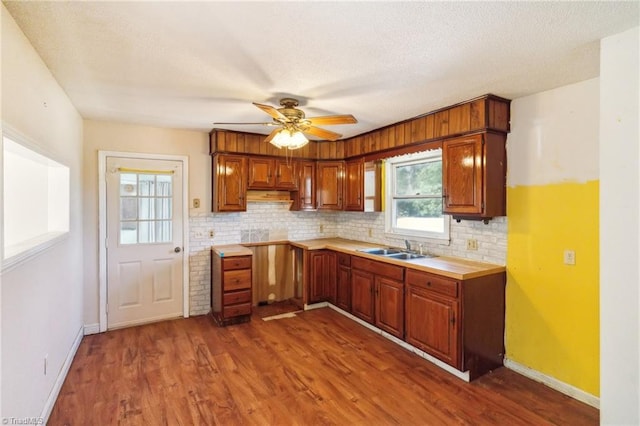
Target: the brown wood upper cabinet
(354, 185)
(330, 185)
(272, 173)
(362, 186)
(474, 176)
(305, 198)
(228, 186)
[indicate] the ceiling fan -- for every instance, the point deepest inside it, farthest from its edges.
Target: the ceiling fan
(292, 123)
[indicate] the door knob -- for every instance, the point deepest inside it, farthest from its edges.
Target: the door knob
(177, 249)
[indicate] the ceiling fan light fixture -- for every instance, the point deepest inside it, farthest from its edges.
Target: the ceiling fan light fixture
(290, 139)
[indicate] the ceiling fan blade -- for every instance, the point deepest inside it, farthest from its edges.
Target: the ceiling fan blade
(328, 120)
(272, 135)
(251, 124)
(271, 111)
(322, 133)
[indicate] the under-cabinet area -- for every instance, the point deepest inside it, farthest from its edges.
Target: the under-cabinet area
(449, 308)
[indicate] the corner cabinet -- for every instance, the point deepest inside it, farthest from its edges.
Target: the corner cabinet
(229, 179)
(474, 176)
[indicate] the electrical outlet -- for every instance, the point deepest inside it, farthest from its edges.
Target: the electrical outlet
(199, 234)
(370, 232)
(321, 228)
(472, 244)
(196, 203)
(212, 233)
(569, 257)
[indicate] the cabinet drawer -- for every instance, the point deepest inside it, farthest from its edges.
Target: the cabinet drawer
(379, 268)
(432, 282)
(237, 310)
(240, 262)
(237, 279)
(344, 259)
(235, 297)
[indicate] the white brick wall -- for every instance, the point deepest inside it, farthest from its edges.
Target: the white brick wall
(274, 221)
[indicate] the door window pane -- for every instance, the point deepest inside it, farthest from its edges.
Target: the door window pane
(146, 208)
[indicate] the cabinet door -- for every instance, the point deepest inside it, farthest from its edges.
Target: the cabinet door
(354, 185)
(322, 282)
(329, 189)
(307, 186)
(432, 324)
(330, 281)
(316, 279)
(362, 286)
(286, 177)
(390, 306)
(343, 293)
(229, 183)
(462, 168)
(261, 174)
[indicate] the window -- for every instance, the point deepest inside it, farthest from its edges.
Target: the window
(414, 196)
(35, 200)
(145, 208)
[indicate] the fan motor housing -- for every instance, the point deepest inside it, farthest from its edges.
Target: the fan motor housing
(289, 109)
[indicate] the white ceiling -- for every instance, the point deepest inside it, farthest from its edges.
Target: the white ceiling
(189, 64)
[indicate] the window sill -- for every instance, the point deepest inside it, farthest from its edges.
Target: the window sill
(27, 250)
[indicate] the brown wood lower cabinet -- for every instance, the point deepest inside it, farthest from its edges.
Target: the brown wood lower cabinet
(431, 323)
(460, 322)
(230, 289)
(322, 278)
(362, 287)
(343, 278)
(390, 306)
(378, 294)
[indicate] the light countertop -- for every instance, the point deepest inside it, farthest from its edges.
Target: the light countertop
(452, 267)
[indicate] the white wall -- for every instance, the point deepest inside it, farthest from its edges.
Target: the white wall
(619, 230)
(110, 136)
(41, 298)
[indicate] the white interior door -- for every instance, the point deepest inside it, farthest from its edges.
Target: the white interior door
(144, 240)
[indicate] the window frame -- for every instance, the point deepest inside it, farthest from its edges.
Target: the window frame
(391, 166)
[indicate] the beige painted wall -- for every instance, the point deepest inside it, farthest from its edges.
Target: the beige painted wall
(121, 137)
(41, 304)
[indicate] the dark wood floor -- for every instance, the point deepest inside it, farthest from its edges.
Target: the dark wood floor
(316, 368)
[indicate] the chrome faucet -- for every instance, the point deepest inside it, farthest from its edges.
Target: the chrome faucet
(408, 244)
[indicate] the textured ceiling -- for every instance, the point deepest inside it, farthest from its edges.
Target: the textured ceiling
(188, 64)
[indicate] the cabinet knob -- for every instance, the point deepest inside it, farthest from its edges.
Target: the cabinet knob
(428, 283)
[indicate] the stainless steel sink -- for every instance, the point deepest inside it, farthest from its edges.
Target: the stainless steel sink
(381, 251)
(406, 256)
(393, 253)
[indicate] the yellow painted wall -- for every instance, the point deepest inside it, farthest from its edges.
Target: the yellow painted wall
(552, 318)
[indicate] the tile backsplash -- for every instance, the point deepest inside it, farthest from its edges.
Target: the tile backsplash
(273, 222)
